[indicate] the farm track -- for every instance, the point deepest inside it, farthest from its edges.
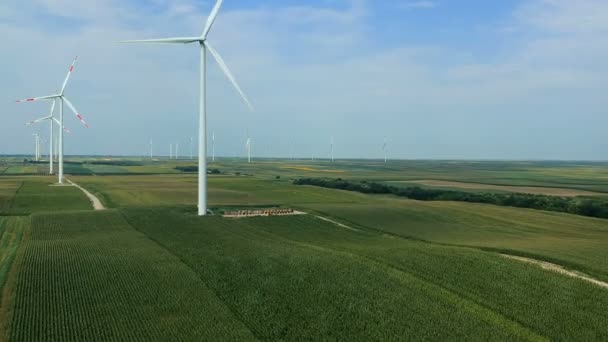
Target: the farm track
(558, 269)
(97, 205)
(336, 223)
(440, 293)
(471, 305)
(549, 266)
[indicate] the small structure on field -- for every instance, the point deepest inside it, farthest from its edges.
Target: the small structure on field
(262, 212)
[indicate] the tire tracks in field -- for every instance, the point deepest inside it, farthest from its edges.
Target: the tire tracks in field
(557, 269)
(545, 265)
(9, 206)
(197, 275)
(10, 285)
(485, 313)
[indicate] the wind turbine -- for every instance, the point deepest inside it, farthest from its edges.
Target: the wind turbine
(202, 139)
(53, 142)
(37, 144)
(213, 146)
(61, 97)
(248, 146)
(151, 155)
(384, 146)
(332, 149)
(176, 151)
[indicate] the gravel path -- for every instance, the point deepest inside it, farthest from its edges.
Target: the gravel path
(336, 223)
(559, 269)
(97, 205)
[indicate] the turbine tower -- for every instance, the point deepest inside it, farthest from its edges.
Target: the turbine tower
(176, 151)
(248, 146)
(213, 146)
(332, 149)
(62, 99)
(37, 146)
(384, 146)
(204, 46)
(52, 121)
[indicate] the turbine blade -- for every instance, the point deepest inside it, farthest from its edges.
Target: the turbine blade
(59, 124)
(53, 108)
(76, 112)
(226, 71)
(37, 121)
(67, 77)
(32, 99)
(211, 18)
(178, 40)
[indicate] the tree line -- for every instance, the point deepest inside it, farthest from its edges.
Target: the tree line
(573, 205)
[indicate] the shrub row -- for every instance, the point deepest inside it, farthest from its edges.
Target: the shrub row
(572, 205)
(195, 169)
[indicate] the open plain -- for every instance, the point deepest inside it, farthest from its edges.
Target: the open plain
(355, 267)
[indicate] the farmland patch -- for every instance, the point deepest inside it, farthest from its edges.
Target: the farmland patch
(90, 276)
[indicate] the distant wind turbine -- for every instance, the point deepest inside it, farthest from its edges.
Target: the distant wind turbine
(52, 122)
(384, 146)
(213, 146)
(248, 147)
(37, 146)
(204, 46)
(176, 151)
(61, 98)
(151, 155)
(332, 149)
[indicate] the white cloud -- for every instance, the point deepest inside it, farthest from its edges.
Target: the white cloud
(311, 71)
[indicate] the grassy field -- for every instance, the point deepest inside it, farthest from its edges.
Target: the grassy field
(8, 188)
(12, 230)
(149, 269)
(586, 176)
(169, 190)
(570, 240)
(577, 242)
(39, 195)
(90, 276)
(391, 287)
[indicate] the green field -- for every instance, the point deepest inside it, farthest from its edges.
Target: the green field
(12, 230)
(39, 195)
(149, 269)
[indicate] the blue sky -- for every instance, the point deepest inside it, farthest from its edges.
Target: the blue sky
(512, 79)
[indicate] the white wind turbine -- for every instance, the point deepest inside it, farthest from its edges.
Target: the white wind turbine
(61, 98)
(384, 146)
(37, 144)
(213, 146)
(202, 139)
(332, 149)
(52, 121)
(248, 147)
